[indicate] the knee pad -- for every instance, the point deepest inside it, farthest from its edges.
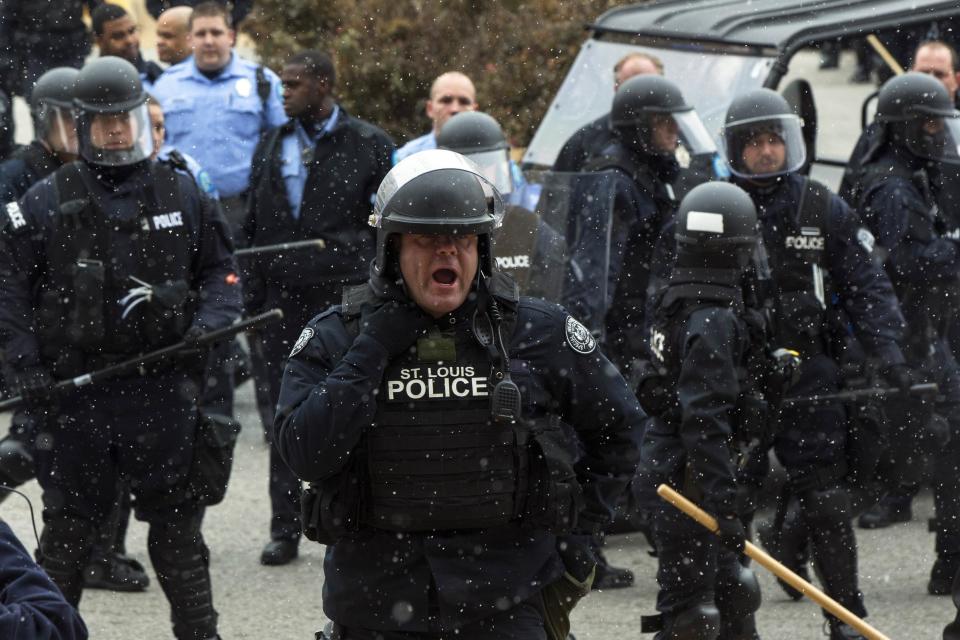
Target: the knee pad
(737, 591)
(826, 508)
(16, 463)
(701, 622)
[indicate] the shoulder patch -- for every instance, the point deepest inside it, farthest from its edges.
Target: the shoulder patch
(302, 341)
(578, 336)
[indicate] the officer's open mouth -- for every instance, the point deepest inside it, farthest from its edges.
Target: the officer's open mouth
(445, 276)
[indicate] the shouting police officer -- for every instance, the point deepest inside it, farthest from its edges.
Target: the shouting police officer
(107, 258)
(817, 250)
(902, 193)
(703, 344)
(435, 414)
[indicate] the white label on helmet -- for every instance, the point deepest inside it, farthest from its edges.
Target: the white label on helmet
(704, 221)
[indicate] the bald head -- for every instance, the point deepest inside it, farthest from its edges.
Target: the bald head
(450, 93)
(635, 64)
(172, 33)
(939, 60)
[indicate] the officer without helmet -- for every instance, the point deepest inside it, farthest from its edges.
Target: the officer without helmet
(434, 413)
(107, 258)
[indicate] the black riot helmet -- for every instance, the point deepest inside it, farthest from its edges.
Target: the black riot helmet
(650, 116)
(109, 103)
(435, 192)
(757, 121)
(478, 136)
(917, 113)
(51, 107)
(716, 227)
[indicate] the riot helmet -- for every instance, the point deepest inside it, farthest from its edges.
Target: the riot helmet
(51, 108)
(478, 136)
(113, 124)
(435, 192)
(918, 114)
(651, 117)
(716, 227)
(762, 136)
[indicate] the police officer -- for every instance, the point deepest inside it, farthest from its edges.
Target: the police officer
(899, 195)
(38, 36)
(525, 248)
(55, 137)
(439, 395)
(649, 116)
(55, 144)
(705, 345)
(148, 262)
(116, 34)
(314, 177)
(217, 105)
(818, 250)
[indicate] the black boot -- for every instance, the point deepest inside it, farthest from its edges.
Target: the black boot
(843, 631)
(945, 567)
(607, 576)
(790, 548)
(886, 512)
(115, 572)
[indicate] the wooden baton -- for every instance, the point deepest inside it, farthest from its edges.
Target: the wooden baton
(782, 572)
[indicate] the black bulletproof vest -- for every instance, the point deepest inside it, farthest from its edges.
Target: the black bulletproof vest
(39, 161)
(92, 260)
(515, 243)
(797, 249)
(435, 458)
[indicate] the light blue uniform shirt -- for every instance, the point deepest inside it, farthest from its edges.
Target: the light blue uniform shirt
(219, 121)
(294, 169)
(416, 145)
(200, 176)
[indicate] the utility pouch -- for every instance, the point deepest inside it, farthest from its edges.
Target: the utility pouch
(85, 322)
(213, 458)
(331, 509)
(554, 498)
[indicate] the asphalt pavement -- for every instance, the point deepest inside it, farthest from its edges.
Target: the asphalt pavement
(282, 603)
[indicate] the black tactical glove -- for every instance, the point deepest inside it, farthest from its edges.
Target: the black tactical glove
(577, 554)
(395, 326)
(34, 384)
(900, 376)
(731, 533)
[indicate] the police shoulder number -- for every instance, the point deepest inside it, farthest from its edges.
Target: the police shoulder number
(302, 341)
(578, 336)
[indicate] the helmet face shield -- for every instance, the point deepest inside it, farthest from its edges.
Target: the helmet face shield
(55, 125)
(693, 133)
(115, 138)
(495, 167)
(934, 138)
(764, 147)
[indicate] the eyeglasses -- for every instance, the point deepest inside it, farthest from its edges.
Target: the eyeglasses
(463, 101)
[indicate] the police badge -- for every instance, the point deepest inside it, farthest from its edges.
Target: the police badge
(578, 336)
(302, 341)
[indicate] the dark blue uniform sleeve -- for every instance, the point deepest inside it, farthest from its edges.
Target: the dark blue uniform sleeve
(327, 397)
(867, 294)
(24, 228)
(14, 180)
(591, 396)
(31, 606)
(707, 392)
(216, 272)
(890, 207)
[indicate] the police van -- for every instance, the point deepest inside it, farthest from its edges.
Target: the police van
(716, 49)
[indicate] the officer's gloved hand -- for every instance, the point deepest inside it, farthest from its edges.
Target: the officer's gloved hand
(731, 532)
(396, 326)
(900, 376)
(34, 384)
(577, 554)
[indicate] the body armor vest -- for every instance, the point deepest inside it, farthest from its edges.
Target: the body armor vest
(39, 161)
(94, 261)
(797, 249)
